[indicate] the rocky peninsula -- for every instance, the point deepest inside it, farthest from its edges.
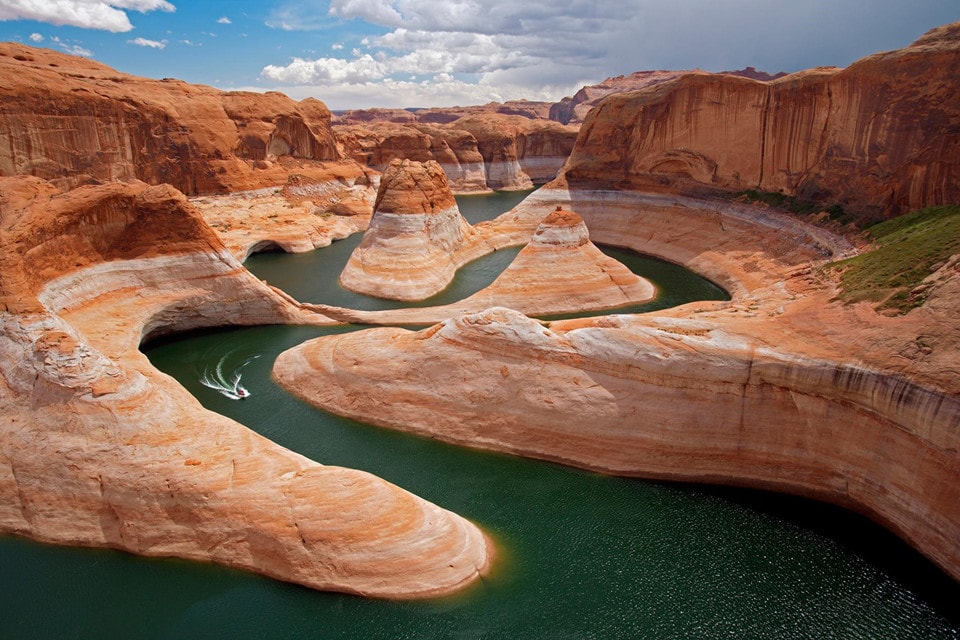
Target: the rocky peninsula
(98, 448)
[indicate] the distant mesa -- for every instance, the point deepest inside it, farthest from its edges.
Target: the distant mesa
(410, 251)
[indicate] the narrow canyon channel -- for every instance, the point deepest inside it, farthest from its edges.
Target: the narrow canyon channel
(581, 555)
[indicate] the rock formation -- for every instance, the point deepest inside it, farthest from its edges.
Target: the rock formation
(478, 152)
(455, 150)
(879, 137)
(779, 388)
(574, 109)
(97, 448)
(444, 115)
(417, 238)
(72, 120)
(558, 271)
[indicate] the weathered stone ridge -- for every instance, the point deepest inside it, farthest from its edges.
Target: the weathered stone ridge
(675, 399)
(417, 238)
(72, 120)
(880, 137)
(478, 152)
(97, 448)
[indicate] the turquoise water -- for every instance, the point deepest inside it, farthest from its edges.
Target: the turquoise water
(582, 555)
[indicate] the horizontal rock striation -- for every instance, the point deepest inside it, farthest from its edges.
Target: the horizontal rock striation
(880, 137)
(478, 152)
(661, 398)
(780, 388)
(97, 448)
(72, 120)
(417, 238)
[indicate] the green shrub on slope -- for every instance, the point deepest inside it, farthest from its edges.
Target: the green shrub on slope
(908, 249)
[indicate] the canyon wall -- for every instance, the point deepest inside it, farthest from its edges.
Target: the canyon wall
(98, 448)
(574, 109)
(74, 121)
(678, 399)
(479, 152)
(880, 137)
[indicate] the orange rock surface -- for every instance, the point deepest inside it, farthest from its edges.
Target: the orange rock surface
(879, 137)
(574, 109)
(780, 388)
(72, 120)
(479, 152)
(97, 448)
(417, 238)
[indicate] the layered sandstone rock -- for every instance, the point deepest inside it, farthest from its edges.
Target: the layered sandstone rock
(558, 271)
(417, 238)
(519, 152)
(455, 150)
(880, 137)
(73, 120)
(98, 448)
(574, 109)
(561, 271)
(780, 388)
(479, 152)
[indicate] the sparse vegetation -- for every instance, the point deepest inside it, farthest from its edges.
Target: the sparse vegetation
(794, 205)
(908, 249)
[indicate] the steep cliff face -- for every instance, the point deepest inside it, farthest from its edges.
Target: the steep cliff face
(478, 152)
(377, 144)
(879, 137)
(97, 448)
(72, 120)
(519, 152)
(573, 109)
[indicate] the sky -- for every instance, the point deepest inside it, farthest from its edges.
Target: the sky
(420, 53)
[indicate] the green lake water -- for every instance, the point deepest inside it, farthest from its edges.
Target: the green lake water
(582, 556)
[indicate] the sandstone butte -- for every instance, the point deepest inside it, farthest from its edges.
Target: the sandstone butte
(781, 388)
(478, 151)
(97, 448)
(558, 270)
(417, 238)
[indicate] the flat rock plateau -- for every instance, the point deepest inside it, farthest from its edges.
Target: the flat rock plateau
(783, 387)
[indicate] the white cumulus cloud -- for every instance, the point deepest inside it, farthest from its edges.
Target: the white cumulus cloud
(327, 71)
(36, 37)
(143, 42)
(224, 20)
(108, 15)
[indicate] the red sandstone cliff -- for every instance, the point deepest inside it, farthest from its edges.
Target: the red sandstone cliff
(880, 137)
(73, 120)
(478, 152)
(573, 109)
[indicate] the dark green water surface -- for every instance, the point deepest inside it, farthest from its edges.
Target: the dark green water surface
(582, 556)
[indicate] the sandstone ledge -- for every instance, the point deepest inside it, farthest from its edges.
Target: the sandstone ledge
(97, 448)
(778, 388)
